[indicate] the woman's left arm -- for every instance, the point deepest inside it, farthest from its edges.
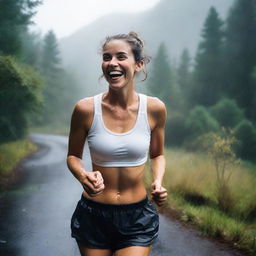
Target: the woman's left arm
(158, 119)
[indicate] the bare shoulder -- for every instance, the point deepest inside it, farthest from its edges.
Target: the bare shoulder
(84, 107)
(156, 108)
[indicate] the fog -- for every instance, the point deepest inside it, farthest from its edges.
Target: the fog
(176, 23)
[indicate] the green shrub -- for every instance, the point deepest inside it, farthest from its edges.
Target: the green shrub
(20, 94)
(199, 122)
(245, 133)
(227, 113)
(175, 130)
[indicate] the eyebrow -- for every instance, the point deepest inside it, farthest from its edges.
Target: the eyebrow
(118, 53)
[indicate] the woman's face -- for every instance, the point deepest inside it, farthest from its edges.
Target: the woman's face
(118, 64)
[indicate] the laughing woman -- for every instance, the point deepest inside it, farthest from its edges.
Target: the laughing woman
(115, 216)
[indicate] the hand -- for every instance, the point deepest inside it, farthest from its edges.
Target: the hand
(159, 193)
(93, 183)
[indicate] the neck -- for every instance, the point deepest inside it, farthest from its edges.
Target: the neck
(123, 98)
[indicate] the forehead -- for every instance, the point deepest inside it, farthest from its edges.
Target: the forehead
(117, 45)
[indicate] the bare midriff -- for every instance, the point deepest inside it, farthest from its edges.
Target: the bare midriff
(123, 185)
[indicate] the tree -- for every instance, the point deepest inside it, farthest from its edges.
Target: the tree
(184, 75)
(227, 113)
(60, 88)
(20, 94)
(52, 73)
(160, 81)
(240, 55)
(15, 16)
(50, 55)
(207, 87)
(200, 122)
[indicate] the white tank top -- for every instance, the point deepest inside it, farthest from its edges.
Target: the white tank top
(111, 149)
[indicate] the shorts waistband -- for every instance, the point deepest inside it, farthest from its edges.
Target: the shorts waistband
(99, 205)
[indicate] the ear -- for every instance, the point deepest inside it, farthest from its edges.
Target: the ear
(139, 66)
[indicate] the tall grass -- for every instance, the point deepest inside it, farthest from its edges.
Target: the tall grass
(191, 181)
(12, 153)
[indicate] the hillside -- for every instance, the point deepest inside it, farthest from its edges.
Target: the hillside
(178, 23)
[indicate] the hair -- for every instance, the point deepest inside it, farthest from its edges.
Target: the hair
(137, 46)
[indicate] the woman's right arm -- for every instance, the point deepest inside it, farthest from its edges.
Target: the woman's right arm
(81, 121)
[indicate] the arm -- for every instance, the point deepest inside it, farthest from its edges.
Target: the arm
(158, 118)
(81, 120)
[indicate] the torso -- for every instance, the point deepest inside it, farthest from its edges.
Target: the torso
(122, 184)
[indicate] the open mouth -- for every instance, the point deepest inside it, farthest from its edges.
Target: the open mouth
(115, 73)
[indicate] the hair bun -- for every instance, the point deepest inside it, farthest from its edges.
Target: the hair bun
(136, 36)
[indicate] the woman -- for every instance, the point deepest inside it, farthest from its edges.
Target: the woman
(114, 215)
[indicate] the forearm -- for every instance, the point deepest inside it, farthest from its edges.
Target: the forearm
(76, 167)
(158, 168)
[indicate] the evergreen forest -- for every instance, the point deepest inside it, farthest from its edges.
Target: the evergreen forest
(214, 91)
(35, 89)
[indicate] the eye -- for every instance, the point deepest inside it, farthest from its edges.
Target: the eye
(106, 57)
(121, 56)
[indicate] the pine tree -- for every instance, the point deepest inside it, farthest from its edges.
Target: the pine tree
(50, 55)
(160, 79)
(184, 75)
(15, 16)
(207, 87)
(60, 87)
(51, 71)
(240, 55)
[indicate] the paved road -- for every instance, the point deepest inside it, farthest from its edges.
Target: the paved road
(35, 214)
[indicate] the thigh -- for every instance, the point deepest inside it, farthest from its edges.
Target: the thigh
(84, 251)
(134, 251)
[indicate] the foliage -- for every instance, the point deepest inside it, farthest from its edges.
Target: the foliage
(208, 67)
(199, 122)
(15, 16)
(240, 55)
(13, 152)
(220, 149)
(175, 130)
(20, 94)
(227, 113)
(160, 82)
(190, 180)
(245, 133)
(184, 76)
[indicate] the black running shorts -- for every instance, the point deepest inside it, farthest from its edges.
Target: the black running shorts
(111, 226)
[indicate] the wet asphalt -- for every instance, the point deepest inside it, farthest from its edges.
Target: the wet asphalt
(35, 213)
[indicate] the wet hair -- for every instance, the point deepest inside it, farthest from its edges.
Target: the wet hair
(137, 46)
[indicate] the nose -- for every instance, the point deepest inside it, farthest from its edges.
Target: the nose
(113, 62)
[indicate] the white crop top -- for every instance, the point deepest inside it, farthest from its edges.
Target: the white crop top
(111, 149)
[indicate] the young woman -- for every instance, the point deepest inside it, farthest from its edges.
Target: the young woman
(123, 127)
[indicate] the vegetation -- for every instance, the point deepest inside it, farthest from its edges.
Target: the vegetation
(10, 155)
(35, 90)
(219, 89)
(194, 182)
(19, 95)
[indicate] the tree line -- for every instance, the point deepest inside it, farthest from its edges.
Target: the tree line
(217, 88)
(35, 89)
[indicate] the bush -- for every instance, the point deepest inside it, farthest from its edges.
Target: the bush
(175, 130)
(245, 133)
(20, 94)
(200, 122)
(227, 113)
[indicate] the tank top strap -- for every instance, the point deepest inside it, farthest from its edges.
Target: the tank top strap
(97, 103)
(143, 103)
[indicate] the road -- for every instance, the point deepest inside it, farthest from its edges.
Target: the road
(35, 213)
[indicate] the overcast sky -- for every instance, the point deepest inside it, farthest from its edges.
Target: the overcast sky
(67, 16)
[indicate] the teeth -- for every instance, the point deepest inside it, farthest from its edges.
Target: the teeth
(112, 73)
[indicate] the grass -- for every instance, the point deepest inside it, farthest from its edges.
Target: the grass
(191, 182)
(58, 129)
(12, 153)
